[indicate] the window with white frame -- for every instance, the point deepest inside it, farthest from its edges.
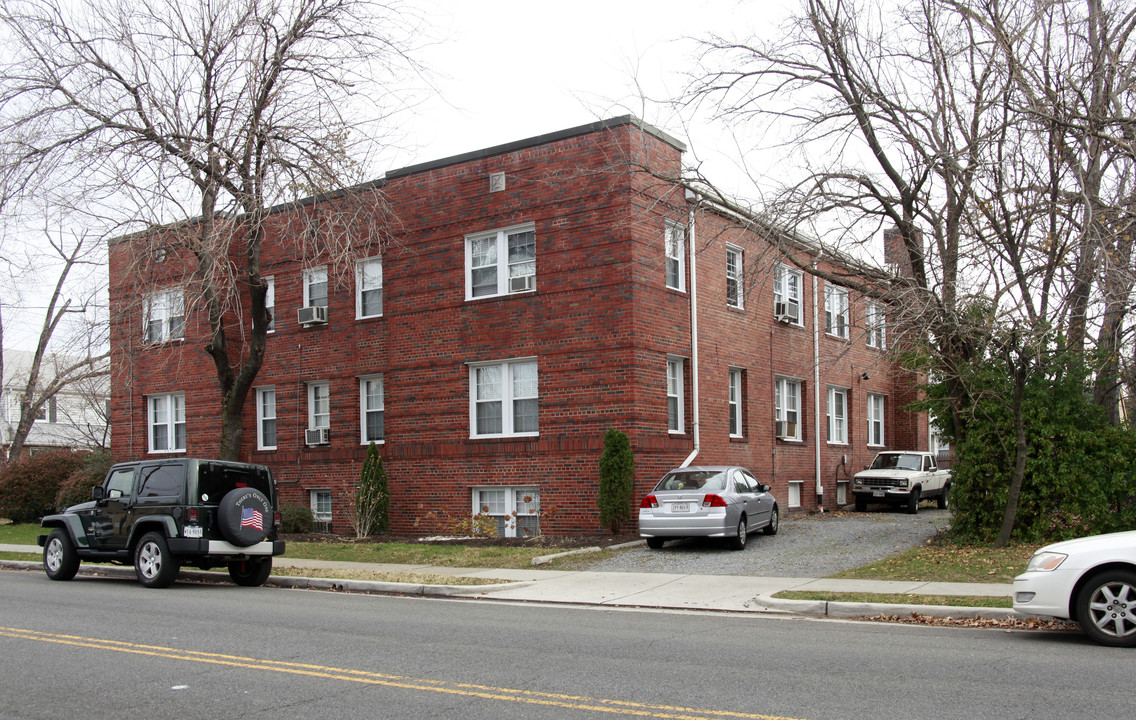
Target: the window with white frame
(321, 506)
(875, 419)
(875, 323)
(319, 405)
(674, 395)
(503, 399)
(737, 382)
(164, 316)
(836, 310)
(166, 420)
(837, 415)
(734, 266)
(516, 510)
(787, 293)
(266, 418)
(500, 262)
(787, 408)
(674, 242)
(371, 408)
(369, 288)
(315, 287)
(270, 302)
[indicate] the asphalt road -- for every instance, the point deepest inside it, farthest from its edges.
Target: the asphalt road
(97, 648)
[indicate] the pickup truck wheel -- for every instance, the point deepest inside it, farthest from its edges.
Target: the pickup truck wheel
(654, 542)
(60, 561)
(1106, 608)
(739, 542)
(913, 502)
(943, 500)
(250, 573)
(155, 567)
(774, 522)
(861, 504)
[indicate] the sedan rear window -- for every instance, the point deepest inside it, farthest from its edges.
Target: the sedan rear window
(710, 481)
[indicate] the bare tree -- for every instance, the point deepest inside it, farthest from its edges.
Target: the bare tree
(79, 357)
(219, 112)
(994, 137)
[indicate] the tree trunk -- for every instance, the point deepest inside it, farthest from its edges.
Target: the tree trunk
(1021, 452)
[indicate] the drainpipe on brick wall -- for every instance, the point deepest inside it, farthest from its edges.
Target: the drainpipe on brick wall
(816, 388)
(692, 198)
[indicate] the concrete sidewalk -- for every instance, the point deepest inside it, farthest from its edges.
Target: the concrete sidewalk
(722, 593)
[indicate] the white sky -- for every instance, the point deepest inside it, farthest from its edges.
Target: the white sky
(514, 69)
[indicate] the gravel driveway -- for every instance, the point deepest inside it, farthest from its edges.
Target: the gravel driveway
(805, 546)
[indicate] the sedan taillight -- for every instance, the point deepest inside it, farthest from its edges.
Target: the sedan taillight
(649, 502)
(712, 500)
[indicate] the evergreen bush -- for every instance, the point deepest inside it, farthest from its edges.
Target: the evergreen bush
(617, 479)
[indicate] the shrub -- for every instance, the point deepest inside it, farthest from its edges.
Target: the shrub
(29, 485)
(296, 518)
(372, 498)
(77, 487)
(617, 477)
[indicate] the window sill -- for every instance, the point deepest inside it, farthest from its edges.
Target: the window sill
(498, 296)
(165, 452)
(365, 443)
(359, 318)
(526, 436)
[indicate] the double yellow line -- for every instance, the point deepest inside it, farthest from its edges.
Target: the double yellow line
(574, 702)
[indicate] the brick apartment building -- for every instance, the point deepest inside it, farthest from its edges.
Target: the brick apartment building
(534, 295)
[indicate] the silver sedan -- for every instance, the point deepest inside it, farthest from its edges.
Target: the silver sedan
(718, 501)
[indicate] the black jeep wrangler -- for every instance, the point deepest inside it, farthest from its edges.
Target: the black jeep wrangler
(161, 514)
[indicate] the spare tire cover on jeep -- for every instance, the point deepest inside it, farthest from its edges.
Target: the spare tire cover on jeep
(244, 516)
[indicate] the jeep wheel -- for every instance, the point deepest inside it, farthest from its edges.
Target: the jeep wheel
(155, 567)
(244, 516)
(60, 561)
(250, 573)
(774, 522)
(739, 542)
(913, 502)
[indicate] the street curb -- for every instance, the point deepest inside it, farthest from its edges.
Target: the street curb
(845, 610)
(289, 581)
(545, 559)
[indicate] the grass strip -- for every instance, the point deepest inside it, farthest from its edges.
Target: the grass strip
(947, 563)
(393, 577)
(898, 598)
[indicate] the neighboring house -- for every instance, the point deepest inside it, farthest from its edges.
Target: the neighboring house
(75, 417)
(534, 295)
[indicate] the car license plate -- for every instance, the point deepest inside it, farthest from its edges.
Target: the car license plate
(191, 531)
(879, 493)
(680, 507)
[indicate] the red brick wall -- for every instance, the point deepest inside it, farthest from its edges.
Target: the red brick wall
(600, 324)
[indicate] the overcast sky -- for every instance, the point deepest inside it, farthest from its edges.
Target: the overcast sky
(514, 69)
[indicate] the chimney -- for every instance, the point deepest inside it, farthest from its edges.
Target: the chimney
(895, 251)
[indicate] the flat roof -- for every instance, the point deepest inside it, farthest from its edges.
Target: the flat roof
(538, 140)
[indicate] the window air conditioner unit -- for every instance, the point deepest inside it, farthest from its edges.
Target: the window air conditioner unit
(783, 429)
(521, 284)
(784, 312)
(314, 315)
(318, 436)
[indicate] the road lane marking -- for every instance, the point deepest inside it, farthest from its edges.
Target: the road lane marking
(485, 692)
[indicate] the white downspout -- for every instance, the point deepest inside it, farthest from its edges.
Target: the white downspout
(816, 388)
(694, 200)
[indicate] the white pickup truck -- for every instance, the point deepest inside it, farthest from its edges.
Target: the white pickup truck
(901, 478)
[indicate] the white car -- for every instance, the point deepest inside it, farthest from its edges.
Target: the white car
(1091, 580)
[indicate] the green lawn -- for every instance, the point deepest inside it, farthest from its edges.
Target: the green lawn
(948, 563)
(22, 534)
